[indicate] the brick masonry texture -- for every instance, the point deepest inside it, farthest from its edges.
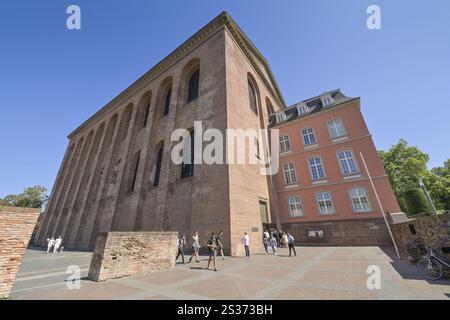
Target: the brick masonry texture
(120, 254)
(358, 232)
(16, 226)
(431, 230)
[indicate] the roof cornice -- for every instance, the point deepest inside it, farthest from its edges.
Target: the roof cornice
(222, 20)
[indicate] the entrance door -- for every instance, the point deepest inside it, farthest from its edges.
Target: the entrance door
(263, 212)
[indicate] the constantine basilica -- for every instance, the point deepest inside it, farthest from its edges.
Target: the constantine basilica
(117, 173)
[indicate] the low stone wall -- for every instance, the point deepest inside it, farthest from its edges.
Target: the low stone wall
(431, 230)
(119, 254)
(16, 227)
(357, 232)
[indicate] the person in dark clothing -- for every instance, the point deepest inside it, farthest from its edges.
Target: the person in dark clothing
(291, 246)
(181, 244)
(212, 246)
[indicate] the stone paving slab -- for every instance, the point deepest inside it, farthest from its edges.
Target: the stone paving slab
(315, 273)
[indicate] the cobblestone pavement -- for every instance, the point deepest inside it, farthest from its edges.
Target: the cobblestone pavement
(315, 273)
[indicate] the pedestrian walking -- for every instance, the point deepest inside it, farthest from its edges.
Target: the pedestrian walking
(212, 249)
(57, 244)
(280, 239)
(220, 245)
(195, 247)
(181, 244)
(50, 244)
(266, 241)
(273, 243)
(285, 240)
(291, 241)
(247, 245)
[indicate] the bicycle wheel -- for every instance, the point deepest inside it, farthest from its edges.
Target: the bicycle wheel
(429, 268)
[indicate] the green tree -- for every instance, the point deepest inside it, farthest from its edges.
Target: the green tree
(405, 165)
(31, 197)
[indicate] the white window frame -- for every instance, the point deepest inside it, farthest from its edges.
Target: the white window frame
(291, 171)
(330, 200)
(288, 141)
(327, 100)
(341, 124)
(351, 173)
(310, 166)
(302, 109)
(298, 206)
(360, 193)
(281, 116)
(313, 133)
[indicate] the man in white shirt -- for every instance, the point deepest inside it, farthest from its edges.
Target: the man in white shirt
(57, 244)
(50, 243)
(247, 245)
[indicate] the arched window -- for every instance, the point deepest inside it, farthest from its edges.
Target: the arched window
(295, 206)
(147, 111)
(252, 97)
(187, 169)
(360, 200)
(167, 102)
(336, 128)
(325, 203)
(158, 165)
(134, 168)
(269, 107)
(193, 86)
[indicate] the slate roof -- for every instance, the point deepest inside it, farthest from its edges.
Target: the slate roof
(314, 105)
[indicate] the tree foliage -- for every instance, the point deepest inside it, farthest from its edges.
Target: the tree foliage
(31, 197)
(406, 165)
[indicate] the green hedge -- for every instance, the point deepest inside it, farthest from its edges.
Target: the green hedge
(415, 201)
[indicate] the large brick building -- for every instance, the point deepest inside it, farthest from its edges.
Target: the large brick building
(117, 172)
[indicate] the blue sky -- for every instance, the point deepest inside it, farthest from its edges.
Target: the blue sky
(53, 79)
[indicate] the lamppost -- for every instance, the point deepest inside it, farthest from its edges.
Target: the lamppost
(422, 185)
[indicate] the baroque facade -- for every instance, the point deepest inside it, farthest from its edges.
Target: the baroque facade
(117, 173)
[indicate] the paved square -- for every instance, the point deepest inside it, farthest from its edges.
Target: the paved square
(316, 273)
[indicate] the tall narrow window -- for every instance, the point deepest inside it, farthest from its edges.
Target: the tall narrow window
(336, 128)
(147, 111)
(158, 165)
(289, 173)
(187, 169)
(193, 86)
(135, 168)
(252, 97)
(360, 200)
(316, 168)
(309, 137)
(167, 102)
(325, 203)
(285, 143)
(347, 162)
(295, 206)
(281, 116)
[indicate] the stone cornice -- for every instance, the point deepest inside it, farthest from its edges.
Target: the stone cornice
(221, 20)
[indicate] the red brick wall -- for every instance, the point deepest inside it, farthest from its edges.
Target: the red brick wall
(16, 226)
(119, 254)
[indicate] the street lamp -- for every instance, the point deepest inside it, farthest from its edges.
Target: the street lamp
(433, 208)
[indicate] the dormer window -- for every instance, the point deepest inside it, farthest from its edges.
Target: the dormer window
(302, 109)
(281, 117)
(327, 100)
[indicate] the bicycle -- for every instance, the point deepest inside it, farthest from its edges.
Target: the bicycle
(431, 266)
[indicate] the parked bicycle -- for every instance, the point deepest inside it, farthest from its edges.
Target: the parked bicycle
(431, 266)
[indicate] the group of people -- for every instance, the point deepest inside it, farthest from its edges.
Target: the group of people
(278, 240)
(214, 246)
(55, 243)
